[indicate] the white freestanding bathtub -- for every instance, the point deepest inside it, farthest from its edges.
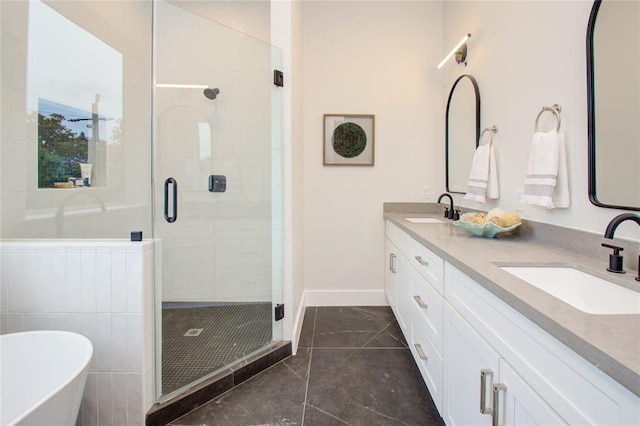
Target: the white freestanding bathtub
(42, 377)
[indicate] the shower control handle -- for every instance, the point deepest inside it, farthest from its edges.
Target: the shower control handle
(174, 214)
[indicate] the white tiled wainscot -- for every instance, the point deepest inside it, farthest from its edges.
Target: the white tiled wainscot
(101, 289)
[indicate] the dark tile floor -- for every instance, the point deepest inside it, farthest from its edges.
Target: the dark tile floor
(353, 367)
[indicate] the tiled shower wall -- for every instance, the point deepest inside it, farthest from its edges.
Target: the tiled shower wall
(102, 290)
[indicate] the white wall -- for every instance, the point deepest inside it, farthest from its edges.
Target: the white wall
(526, 54)
(367, 58)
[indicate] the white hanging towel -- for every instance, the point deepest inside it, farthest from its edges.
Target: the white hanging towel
(483, 179)
(546, 183)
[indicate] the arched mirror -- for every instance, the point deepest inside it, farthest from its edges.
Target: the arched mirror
(613, 90)
(462, 131)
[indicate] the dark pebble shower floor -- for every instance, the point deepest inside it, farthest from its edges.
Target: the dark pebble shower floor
(229, 331)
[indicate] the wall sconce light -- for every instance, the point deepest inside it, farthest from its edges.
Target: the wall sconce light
(209, 93)
(460, 50)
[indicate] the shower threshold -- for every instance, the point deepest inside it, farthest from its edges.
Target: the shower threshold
(181, 402)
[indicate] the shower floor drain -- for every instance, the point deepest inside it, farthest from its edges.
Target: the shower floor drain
(194, 332)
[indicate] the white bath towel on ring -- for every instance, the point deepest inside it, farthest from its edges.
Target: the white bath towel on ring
(546, 183)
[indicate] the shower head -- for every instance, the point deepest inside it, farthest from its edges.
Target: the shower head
(211, 93)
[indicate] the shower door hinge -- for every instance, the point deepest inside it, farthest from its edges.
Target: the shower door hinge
(278, 78)
(279, 311)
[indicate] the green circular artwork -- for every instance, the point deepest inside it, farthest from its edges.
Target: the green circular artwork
(349, 140)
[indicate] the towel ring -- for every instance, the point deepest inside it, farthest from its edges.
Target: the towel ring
(555, 108)
(492, 130)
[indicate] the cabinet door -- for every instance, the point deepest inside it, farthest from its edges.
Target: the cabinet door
(403, 293)
(466, 357)
(518, 404)
(391, 256)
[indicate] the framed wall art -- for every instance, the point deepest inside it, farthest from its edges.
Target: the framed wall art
(349, 139)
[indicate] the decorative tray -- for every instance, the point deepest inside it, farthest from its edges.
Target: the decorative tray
(487, 230)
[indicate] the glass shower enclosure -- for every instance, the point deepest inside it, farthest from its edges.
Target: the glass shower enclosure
(121, 116)
(217, 192)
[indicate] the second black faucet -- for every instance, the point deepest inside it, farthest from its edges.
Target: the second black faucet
(615, 259)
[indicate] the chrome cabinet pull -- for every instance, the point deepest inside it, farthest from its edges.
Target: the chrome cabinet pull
(485, 373)
(497, 389)
(420, 302)
(421, 354)
(392, 263)
(421, 261)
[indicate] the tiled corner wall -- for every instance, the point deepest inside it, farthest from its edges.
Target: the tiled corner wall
(102, 290)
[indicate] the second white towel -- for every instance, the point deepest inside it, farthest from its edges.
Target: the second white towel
(483, 179)
(546, 183)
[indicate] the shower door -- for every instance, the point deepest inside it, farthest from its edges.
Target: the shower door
(217, 196)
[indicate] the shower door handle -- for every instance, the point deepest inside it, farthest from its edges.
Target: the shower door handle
(174, 213)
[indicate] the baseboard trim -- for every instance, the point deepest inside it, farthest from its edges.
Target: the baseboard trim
(297, 323)
(345, 298)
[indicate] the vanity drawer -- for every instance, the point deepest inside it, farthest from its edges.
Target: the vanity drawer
(399, 238)
(428, 360)
(428, 264)
(427, 308)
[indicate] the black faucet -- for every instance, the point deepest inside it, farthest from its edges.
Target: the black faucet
(615, 259)
(449, 212)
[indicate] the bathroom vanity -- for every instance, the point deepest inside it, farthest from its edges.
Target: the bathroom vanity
(493, 349)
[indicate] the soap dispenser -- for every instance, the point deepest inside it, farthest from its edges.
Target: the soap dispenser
(615, 259)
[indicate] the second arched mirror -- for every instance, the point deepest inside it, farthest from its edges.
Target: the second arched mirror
(613, 33)
(462, 131)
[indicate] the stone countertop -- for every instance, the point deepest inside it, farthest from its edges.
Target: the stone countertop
(610, 342)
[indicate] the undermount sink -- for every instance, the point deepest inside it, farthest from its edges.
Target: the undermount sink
(423, 220)
(579, 289)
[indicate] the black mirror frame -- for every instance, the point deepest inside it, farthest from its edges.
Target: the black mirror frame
(591, 116)
(446, 130)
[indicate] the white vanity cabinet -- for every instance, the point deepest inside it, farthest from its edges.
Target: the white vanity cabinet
(417, 302)
(403, 271)
(483, 362)
(397, 279)
(541, 381)
(390, 276)
(428, 360)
